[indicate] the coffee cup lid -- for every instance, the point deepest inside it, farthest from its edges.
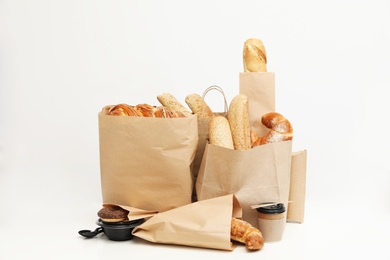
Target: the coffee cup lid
(272, 209)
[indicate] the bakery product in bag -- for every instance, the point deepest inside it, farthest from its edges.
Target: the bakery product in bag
(168, 100)
(280, 129)
(244, 232)
(123, 110)
(198, 106)
(167, 112)
(255, 56)
(220, 133)
(238, 116)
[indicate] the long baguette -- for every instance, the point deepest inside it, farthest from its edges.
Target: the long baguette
(255, 56)
(238, 116)
(168, 100)
(198, 106)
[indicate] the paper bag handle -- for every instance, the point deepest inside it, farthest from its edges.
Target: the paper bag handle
(215, 87)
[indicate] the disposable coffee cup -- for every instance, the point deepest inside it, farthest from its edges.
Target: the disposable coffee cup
(271, 221)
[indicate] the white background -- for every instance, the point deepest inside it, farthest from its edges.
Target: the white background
(62, 61)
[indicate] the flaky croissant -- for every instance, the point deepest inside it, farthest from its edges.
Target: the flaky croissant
(280, 129)
(244, 232)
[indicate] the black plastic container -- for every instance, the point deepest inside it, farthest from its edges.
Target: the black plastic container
(116, 231)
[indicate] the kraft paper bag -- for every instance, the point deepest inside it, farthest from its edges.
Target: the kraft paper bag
(258, 175)
(203, 224)
(259, 87)
(296, 208)
(145, 162)
(203, 133)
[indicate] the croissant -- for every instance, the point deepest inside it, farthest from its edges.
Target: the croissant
(280, 129)
(244, 232)
(123, 110)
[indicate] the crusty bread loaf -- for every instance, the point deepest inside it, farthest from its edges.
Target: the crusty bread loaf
(254, 55)
(244, 232)
(198, 106)
(220, 133)
(168, 100)
(280, 129)
(238, 116)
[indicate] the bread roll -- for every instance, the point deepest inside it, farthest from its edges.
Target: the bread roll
(168, 100)
(280, 129)
(123, 110)
(198, 106)
(244, 232)
(254, 55)
(238, 116)
(219, 132)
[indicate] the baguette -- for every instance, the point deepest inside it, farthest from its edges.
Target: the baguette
(198, 106)
(254, 55)
(219, 132)
(238, 116)
(244, 232)
(168, 100)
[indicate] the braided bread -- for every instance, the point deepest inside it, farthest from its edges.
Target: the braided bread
(244, 232)
(280, 129)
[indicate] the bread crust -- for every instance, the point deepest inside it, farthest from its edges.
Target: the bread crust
(280, 129)
(220, 133)
(198, 106)
(123, 110)
(238, 116)
(244, 232)
(168, 100)
(255, 56)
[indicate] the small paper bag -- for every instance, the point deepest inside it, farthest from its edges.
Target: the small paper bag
(204, 224)
(296, 208)
(203, 133)
(258, 175)
(259, 87)
(145, 162)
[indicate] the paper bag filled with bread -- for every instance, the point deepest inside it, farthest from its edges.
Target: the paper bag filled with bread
(258, 84)
(256, 169)
(146, 154)
(215, 223)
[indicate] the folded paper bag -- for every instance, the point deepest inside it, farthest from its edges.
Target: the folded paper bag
(296, 208)
(258, 175)
(203, 224)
